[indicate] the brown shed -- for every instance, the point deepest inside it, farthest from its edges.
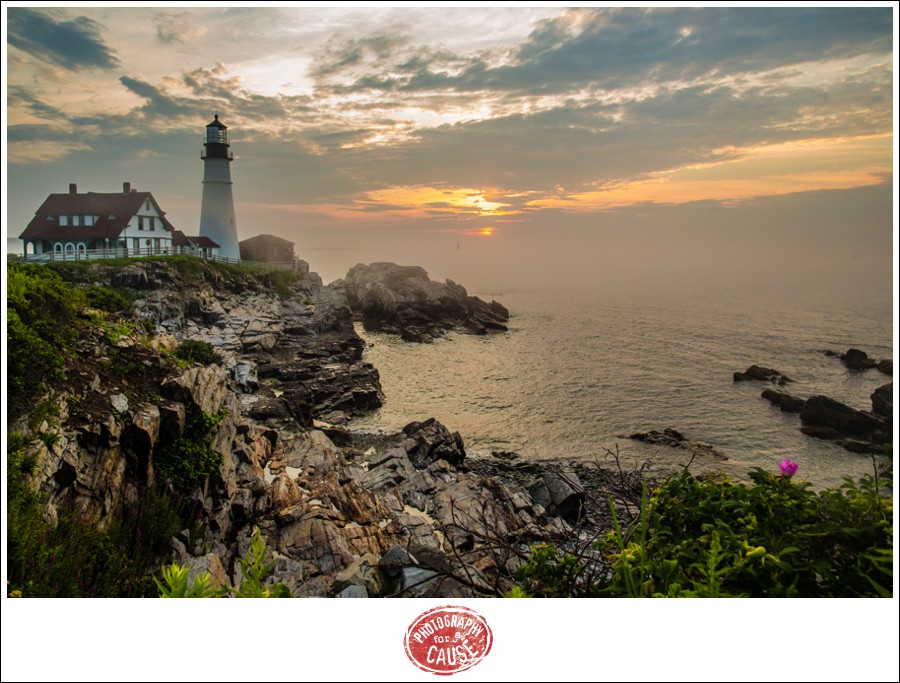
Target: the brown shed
(267, 249)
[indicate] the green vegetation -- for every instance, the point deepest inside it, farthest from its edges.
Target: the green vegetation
(196, 351)
(254, 569)
(716, 538)
(74, 556)
(282, 281)
(188, 459)
(40, 317)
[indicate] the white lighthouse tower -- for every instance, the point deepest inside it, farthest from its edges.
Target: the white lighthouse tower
(217, 210)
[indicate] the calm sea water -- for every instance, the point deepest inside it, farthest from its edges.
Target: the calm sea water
(580, 370)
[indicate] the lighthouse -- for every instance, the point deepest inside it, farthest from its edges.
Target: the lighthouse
(217, 211)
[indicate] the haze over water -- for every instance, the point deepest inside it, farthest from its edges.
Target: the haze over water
(609, 339)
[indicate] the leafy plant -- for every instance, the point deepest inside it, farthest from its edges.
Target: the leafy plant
(189, 458)
(254, 568)
(709, 538)
(196, 351)
(76, 556)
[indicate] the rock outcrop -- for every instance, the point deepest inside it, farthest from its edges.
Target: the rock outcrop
(855, 430)
(346, 514)
(403, 300)
(675, 439)
(855, 359)
(763, 374)
(783, 400)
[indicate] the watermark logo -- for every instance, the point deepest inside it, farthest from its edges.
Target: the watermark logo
(446, 640)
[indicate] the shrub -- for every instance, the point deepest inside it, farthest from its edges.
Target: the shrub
(196, 351)
(41, 327)
(106, 299)
(254, 569)
(75, 556)
(709, 538)
(282, 281)
(188, 459)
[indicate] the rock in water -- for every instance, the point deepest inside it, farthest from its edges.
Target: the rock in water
(403, 300)
(787, 403)
(855, 359)
(821, 411)
(883, 400)
(758, 372)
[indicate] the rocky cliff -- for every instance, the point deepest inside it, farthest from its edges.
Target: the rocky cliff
(346, 514)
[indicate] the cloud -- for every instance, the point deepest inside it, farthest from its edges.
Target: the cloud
(72, 44)
(619, 48)
(178, 27)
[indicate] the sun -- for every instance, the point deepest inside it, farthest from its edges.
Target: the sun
(486, 232)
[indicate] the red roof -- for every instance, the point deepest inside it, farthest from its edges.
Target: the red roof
(115, 210)
(202, 241)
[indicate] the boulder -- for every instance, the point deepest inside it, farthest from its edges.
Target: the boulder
(566, 494)
(783, 400)
(430, 441)
(886, 366)
(821, 411)
(883, 400)
(763, 374)
(243, 373)
(855, 359)
(204, 386)
(353, 591)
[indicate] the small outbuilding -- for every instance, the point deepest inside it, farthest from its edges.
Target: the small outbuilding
(267, 249)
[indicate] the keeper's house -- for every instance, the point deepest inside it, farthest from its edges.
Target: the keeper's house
(95, 225)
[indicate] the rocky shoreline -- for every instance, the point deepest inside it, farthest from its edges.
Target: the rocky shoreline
(347, 514)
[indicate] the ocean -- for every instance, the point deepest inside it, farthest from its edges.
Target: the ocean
(581, 368)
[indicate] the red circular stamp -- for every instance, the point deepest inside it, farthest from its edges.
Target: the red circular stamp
(446, 640)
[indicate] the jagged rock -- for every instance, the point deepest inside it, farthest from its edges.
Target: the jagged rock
(883, 400)
(390, 469)
(667, 437)
(783, 400)
(312, 451)
(318, 541)
(431, 441)
(821, 411)
(363, 573)
(566, 494)
(353, 591)
(886, 366)
(208, 563)
(171, 419)
(855, 359)
(403, 300)
(285, 492)
(119, 403)
(203, 386)
(395, 560)
(244, 375)
(758, 372)
(675, 439)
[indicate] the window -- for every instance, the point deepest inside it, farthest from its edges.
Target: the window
(76, 220)
(140, 222)
(147, 205)
(89, 220)
(63, 220)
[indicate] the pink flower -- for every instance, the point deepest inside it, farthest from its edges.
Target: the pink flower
(788, 468)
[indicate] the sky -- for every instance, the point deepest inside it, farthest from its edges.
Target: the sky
(535, 135)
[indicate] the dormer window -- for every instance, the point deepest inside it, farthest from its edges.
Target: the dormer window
(49, 218)
(111, 217)
(76, 220)
(63, 220)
